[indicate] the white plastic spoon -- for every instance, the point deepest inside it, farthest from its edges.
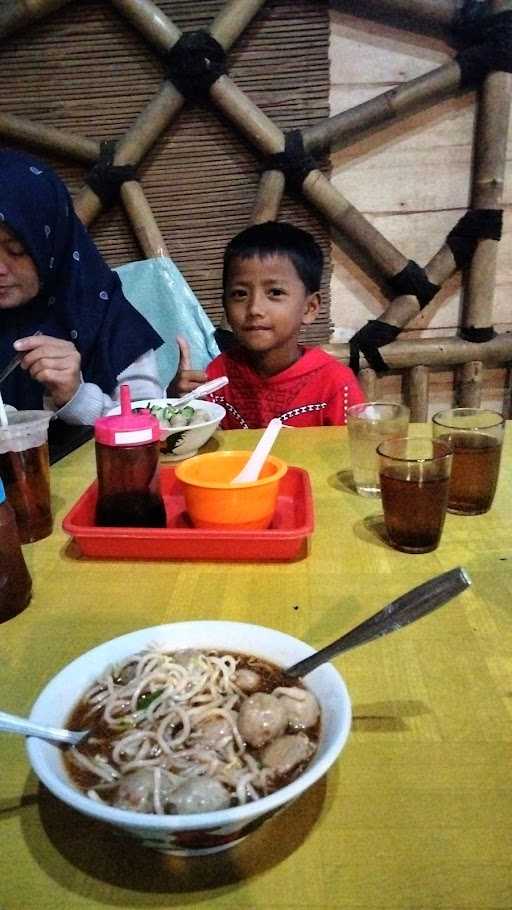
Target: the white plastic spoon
(251, 469)
(205, 389)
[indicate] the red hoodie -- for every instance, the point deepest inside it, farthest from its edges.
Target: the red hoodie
(314, 391)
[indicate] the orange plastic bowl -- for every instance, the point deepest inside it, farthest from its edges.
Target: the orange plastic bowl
(213, 502)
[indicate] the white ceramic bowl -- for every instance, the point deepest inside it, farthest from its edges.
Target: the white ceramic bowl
(183, 442)
(206, 832)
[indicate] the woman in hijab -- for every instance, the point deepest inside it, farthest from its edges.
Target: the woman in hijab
(61, 307)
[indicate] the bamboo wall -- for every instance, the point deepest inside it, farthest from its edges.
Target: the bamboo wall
(396, 189)
(85, 69)
(412, 180)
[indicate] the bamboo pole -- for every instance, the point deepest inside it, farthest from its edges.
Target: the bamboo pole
(142, 220)
(416, 392)
(154, 25)
(268, 199)
(350, 222)
(140, 137)
(368, 381)
(249, 119)
(469, 384)
(436, 352)
(48, 138)
(438, 12)
(254, 124)
(232, 19)
(489, 174)
(330, 133)
(16, 13)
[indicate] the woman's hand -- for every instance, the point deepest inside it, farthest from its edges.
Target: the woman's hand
(53, 362)
(186, 379)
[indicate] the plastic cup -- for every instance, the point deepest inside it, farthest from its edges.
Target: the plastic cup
(368, 424)
(414, 479)
(25, 471)
(476, 437)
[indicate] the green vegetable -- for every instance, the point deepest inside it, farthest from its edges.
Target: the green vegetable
(147, 698)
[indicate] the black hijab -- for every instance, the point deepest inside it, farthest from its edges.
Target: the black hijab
(80, 297)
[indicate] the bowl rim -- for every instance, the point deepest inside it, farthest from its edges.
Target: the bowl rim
(66, 791)
(184, 467)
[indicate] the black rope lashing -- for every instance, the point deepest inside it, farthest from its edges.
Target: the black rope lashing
(477, 336)
(294, 161)
(367, 341)
(194, 63)
(487, 46)
(413, 280)
(106, 178)
(475, 225)
(470, 13)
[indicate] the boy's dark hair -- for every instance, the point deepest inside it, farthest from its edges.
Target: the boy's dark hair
(282, 239)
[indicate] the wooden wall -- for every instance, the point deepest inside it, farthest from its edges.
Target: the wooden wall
(412, 180)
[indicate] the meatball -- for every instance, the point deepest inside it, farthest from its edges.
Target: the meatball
(247, 680)
(136, 790)
(262, 717)
(301, 706)
(215, 733)
(200, 794)
(287, 752)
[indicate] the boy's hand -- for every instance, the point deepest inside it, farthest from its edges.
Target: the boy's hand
(186, 379)
(52, 361)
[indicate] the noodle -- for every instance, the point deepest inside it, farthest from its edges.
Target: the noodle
(167, 733)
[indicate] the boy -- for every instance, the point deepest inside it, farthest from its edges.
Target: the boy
(271, 282)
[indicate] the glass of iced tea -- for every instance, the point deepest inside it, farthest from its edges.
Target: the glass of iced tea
(476, 437)
(414, 480)
(25, 472)
(368, 424)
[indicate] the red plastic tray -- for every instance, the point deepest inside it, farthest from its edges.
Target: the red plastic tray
(286, 539)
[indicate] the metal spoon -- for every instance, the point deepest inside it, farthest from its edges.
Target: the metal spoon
(408, 608)
(9, 723)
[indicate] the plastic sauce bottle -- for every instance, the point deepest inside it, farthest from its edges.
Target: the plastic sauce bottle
(15, 580)
(128, 468)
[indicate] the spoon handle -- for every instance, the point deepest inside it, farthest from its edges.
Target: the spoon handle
(251, 469)
(10, 723)
(400, 612)
(205, 389)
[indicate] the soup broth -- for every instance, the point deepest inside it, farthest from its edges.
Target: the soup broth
(191, 731)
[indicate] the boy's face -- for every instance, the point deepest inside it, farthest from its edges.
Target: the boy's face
(266, 304)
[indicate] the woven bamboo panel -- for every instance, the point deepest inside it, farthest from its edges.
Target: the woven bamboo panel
(84, 68)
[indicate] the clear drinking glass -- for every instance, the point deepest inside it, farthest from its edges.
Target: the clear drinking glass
(368, 424)
(476, 437)
(414, 480)
(25, 471)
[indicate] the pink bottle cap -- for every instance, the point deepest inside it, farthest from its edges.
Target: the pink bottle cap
(129, 428)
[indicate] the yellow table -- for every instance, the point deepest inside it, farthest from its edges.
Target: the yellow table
(416, 813)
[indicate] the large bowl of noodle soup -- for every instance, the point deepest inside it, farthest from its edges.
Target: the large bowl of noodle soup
(200, 831)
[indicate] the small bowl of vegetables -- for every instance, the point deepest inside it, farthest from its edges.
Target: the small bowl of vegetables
(183, 428)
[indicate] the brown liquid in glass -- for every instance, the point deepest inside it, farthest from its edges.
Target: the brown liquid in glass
(26, 478)
(475, 468)
(15, 580)
(414, 512)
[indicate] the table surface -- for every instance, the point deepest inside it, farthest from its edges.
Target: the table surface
(415, 814)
